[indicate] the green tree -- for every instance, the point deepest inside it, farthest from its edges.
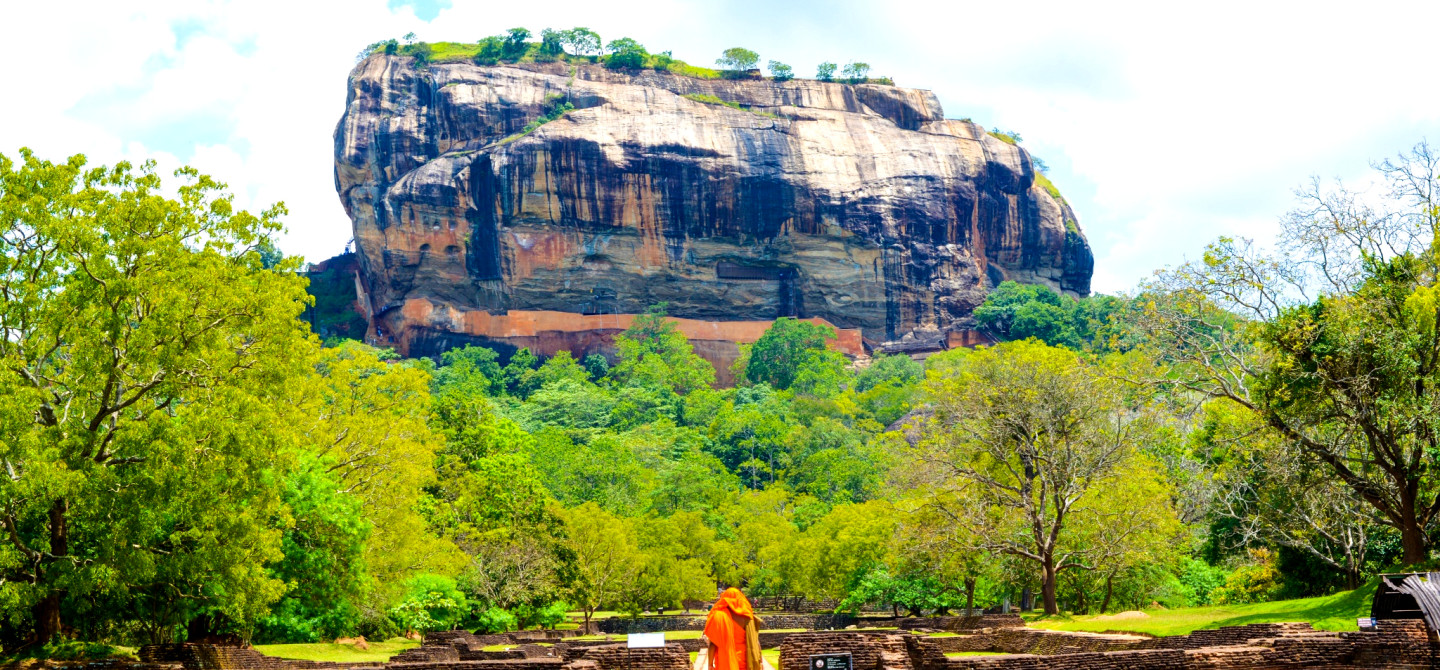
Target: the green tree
(841, 547)
(653, 353)
(738, 60)
(143, 392)
(551, 44)
(520, 373)
(856, 73)
(490, 50)
(581, 41)
(785, 348)
(825, 71)
(515, 44)
(780, 71)
(625, 53)
(1035, 430)
(667, 573)
(606, 557)
(1331, 342)
(372, 430)
(323, 564)
(561, 366)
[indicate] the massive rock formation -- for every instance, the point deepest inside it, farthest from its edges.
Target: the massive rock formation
(858, 204)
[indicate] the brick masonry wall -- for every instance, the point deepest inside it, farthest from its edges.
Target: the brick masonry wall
(620, 657)
(1394, 647)
(868, 652)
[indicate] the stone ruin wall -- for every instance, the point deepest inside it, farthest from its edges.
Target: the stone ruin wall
(1400, 645)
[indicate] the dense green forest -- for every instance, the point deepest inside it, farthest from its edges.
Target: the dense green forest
(185, 458)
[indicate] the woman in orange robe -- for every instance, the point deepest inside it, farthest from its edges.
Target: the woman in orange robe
(733, 633)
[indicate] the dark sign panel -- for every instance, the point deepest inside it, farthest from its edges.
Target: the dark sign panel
(831, 662)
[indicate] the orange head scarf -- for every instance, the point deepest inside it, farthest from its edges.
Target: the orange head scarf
(725, 627)
(735, 602)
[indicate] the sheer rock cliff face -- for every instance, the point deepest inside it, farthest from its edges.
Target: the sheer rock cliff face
(858, 204)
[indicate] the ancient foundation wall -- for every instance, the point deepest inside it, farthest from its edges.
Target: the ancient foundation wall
(619, 657)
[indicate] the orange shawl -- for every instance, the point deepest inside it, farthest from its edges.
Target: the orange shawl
(733, 634)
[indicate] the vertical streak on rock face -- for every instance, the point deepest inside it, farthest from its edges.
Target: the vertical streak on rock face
(861, 205)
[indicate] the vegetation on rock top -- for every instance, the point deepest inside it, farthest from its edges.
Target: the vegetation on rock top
(582, 45)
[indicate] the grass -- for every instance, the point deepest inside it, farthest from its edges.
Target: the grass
(1334, 612)
(1006, 137)
(975, 653)
(464, 52)
(339, 653)
(712, 100)
(1048, 185)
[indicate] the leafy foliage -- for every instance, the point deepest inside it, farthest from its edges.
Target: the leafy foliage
(738, 60)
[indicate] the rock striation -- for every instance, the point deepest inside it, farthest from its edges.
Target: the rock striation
(858, 204)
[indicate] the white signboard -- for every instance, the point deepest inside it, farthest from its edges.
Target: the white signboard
(644, 640)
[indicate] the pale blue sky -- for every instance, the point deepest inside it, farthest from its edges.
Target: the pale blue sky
(1165, 125)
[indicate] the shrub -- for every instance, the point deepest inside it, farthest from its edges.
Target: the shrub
(1199, 580)
(1257, 582)
(434, 603)
(825, 72)
(495, 620)
(780, 71)
(1005, 136)
(421, 51)
(661, 62)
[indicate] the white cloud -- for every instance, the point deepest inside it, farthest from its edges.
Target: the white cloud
(1165, 125)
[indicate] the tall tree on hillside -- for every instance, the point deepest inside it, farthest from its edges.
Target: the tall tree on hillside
(654, 353)
(787, 346)
(145, 362)
(1332, 342)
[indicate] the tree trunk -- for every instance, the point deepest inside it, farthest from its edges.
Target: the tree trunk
(47, 611)
(1109, 589)
(969, 596)
(1048, 586)
(1352, 578)
(1413, 540)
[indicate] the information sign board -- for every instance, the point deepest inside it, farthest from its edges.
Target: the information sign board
(831, 662)
(645, 640)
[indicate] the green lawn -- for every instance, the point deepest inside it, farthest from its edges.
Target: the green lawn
(1335, 612)
(340, 653)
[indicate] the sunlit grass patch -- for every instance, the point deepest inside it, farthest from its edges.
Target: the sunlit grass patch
(339, 653)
